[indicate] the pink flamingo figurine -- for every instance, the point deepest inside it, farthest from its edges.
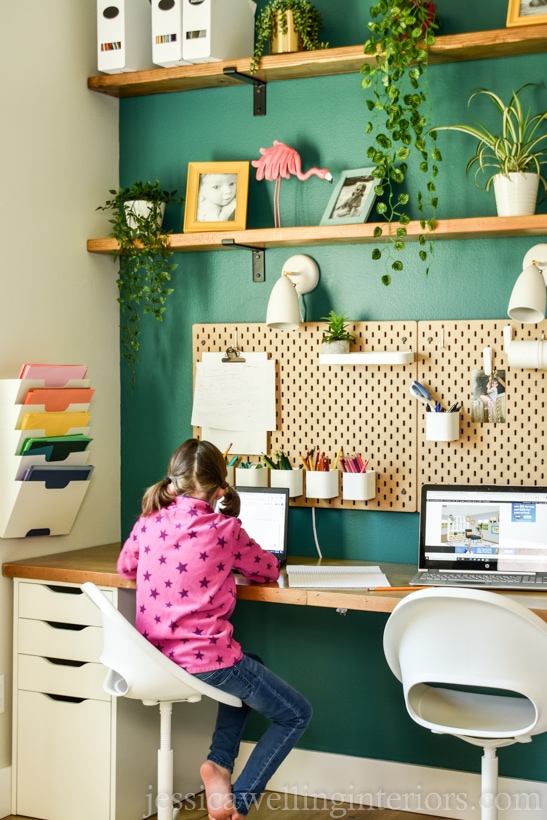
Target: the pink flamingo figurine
(281, 161)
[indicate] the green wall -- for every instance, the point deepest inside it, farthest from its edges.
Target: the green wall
(338, 662)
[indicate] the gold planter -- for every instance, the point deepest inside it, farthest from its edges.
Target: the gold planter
(281, 43)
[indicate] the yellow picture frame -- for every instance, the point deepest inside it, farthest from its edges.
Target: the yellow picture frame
(522, 13)
(208, 203)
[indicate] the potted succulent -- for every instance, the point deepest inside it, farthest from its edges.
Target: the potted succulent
(512, 156)
(336, 338)
(401, 34)
(286, 25)
(144, 257)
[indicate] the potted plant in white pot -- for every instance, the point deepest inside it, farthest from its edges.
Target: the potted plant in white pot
(286, 25)
(145, 258)
(512, 156)
(336, 338)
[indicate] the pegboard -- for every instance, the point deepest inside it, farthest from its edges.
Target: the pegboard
(362, 408)
(494, 452)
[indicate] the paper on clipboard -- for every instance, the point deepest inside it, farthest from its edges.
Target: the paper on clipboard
(235, 397)
(250, 443)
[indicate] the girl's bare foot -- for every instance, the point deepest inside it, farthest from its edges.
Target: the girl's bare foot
(218, 791)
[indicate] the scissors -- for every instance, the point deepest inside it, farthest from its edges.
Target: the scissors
(422, 394)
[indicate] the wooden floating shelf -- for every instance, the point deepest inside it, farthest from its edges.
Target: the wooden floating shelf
(480, 45)
(484, 227)
(377, 357)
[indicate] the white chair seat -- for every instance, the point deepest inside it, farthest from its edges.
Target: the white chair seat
(473, 664)
(136, 669)
(478, 715)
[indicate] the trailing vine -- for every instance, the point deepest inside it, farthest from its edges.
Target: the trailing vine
(401, 33)
(145, 260)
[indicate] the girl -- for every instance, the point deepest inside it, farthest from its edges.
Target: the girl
(182, 554)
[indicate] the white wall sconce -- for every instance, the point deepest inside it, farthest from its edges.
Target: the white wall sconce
(300, 275)
(529, 297)
(527, 305)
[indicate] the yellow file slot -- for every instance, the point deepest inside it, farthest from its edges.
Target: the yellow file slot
(54, 424)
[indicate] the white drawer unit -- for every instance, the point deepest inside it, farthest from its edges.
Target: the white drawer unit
(76, 751)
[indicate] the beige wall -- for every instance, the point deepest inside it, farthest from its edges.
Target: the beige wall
(59, 157)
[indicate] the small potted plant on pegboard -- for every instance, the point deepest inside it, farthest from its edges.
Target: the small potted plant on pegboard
(336, 338)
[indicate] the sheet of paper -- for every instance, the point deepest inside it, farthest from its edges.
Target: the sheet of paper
(245, 443)
(235, 397)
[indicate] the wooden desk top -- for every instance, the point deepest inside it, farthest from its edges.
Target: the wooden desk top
(98, 564)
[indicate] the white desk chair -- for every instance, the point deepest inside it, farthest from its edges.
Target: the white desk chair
(136, 669)
(447, 646)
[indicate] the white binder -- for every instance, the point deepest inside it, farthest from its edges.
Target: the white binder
(215, 30)
(124, 35)
(167, 33)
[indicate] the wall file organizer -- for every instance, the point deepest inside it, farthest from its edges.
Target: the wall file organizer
(43, 476)
(367, 409)
(510, 452)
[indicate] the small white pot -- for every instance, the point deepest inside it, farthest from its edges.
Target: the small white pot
(141, 207)
(516, 194)
(340, 346)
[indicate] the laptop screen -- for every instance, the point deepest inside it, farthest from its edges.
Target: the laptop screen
(265, 517)
(483, 527)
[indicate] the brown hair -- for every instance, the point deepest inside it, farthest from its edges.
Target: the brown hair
(195, 467)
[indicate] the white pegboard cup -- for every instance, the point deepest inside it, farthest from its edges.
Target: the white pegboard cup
(322, 484)
(292, 479)
(359, 486)
(442, 426)
(252, 476)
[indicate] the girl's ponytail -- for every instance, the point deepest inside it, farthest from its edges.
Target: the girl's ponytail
(157, 496)
(231, 503)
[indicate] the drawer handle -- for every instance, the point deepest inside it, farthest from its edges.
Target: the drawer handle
(59, 625)
(65, 590)
(65, 698)
(65, 662)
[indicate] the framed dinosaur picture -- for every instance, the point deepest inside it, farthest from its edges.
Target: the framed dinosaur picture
(352, 198)
(216, 196)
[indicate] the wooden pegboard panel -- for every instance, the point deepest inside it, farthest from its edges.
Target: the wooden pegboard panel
(510, 452)
(363, 408)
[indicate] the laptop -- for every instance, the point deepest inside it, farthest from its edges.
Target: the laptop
(265, 517)
(491, 537)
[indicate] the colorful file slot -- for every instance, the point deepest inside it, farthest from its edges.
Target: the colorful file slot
(60, 398)
(54, 424)
(55, 448)
(53, 375)
(57, 478)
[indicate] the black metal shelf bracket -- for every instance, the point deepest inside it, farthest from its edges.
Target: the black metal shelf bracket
(259, 259)
(259, 89)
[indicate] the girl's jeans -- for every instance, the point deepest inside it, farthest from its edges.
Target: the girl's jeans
(266, 693)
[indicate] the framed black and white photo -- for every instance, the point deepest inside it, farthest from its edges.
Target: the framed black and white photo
(216, 196)
(526, 12)
(352, 199)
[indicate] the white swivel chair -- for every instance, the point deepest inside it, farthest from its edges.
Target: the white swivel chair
(459, 653)
(136, 669)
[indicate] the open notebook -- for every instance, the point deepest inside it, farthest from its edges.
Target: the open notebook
(324, 576)
(483, 536)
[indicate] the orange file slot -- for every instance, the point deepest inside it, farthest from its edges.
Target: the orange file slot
(59, 399)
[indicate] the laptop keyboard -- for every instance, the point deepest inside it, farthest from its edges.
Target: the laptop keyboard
(476, 579)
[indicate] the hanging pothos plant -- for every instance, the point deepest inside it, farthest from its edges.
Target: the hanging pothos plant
(401, 33)
(144, 256)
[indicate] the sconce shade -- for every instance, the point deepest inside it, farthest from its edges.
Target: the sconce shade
(529, 297)
(283, 309)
